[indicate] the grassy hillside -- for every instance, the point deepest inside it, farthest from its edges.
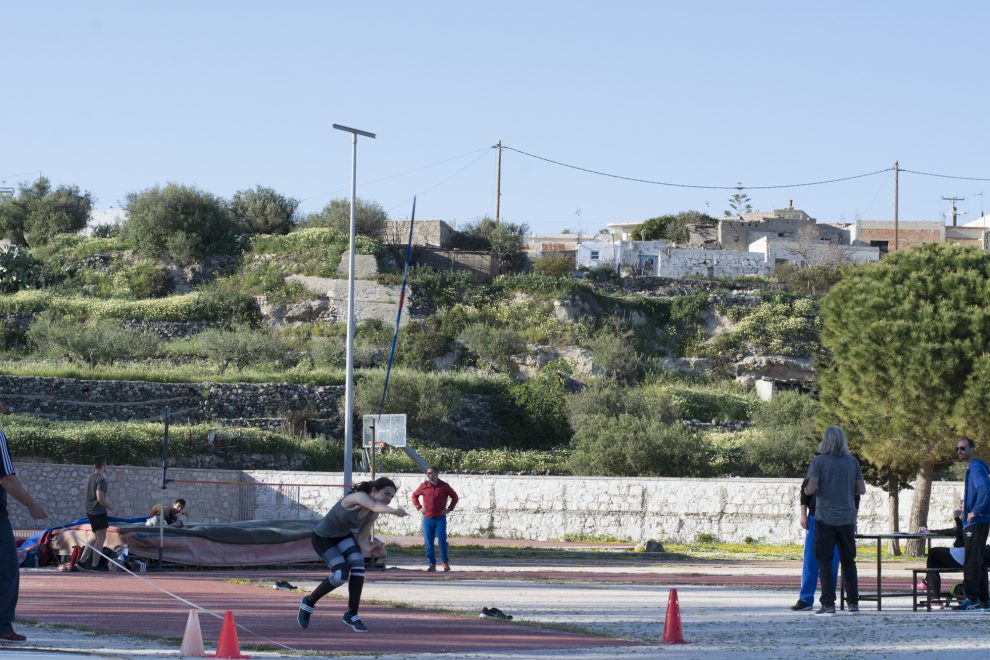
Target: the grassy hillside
(541, 374)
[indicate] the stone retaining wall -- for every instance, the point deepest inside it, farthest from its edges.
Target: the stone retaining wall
(532, 508)
(73, 399)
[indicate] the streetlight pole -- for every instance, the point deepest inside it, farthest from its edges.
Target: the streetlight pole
(349, 383)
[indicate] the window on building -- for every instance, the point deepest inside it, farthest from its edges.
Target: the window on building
(594, 255)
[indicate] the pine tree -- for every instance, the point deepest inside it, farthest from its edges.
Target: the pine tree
(910, 339)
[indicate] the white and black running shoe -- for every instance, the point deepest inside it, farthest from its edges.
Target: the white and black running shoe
(305, 611)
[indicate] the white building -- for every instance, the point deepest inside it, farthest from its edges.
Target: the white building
(808, 253)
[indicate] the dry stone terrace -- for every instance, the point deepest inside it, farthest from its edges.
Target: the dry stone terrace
(93, 400)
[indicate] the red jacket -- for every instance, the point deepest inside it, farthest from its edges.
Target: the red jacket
(434, 498)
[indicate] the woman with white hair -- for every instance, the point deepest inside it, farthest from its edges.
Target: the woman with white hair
(836, 479)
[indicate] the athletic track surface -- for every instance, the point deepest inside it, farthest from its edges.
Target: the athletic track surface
(119, 603)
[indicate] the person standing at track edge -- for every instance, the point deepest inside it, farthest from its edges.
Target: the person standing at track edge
(439, 499)
(343, 549)
(836, 478)
(9, 571)
(976, 525)
(809, 567)
(97, 510)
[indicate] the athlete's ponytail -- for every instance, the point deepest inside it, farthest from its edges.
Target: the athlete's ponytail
(381, 483)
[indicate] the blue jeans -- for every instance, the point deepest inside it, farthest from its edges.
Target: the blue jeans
(435, 528)
(809, 571)
(9, 575)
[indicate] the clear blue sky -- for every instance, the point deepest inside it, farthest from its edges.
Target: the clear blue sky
(116, 97)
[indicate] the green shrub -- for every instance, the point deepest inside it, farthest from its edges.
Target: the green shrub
(438, 288)
(329, 352)
(778, 326)
(605, 399)
(630, 446)
(148, 281)
(604, 274)
(757, 452)
(419, 344)
(180, 222)
(369, 217)
(706, 404)
(430, 403)
(454, 319)
(554, 265)
(495, 347)
(533, 413)
(261, 210)
(242, 346)
(812, 280)
(614, 356)
(101, 341)
(790, 410)
(261, 278)
(538, 284)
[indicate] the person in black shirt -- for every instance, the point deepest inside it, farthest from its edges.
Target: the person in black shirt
(809, 569)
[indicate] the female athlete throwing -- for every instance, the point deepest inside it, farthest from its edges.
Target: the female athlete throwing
(343, 548)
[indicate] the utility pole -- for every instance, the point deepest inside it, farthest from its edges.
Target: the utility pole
(498, 182)
(954, 200)
(897, 179)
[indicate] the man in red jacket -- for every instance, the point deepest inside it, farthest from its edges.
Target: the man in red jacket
(439, 499)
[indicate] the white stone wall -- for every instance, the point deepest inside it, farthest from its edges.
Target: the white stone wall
(532, 508)
(684, 262)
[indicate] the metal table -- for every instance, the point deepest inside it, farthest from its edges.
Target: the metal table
(879, 595)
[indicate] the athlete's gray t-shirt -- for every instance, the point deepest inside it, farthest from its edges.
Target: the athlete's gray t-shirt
(340, 521)
(95, 482)
(836, 495)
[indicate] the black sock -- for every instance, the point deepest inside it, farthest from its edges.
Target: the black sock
(354, 587)
(322, 589)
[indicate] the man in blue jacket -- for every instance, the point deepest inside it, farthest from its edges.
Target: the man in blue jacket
(976, 525)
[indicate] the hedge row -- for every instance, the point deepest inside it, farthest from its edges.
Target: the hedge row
(140, 443)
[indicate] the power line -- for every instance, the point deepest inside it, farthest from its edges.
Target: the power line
(393, 176)
(946, 176)
(687, 185)
(437, 185)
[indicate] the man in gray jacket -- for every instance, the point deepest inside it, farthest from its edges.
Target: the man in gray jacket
(835, 478)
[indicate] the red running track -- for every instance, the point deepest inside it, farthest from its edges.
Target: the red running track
(120, 603)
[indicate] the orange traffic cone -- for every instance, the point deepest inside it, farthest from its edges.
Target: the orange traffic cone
(227, 646)
(672, 633)
(192, 641)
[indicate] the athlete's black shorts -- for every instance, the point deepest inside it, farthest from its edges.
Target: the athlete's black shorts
(98, 521)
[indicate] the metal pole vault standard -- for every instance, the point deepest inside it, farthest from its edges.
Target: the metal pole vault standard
(161, 500)
(349, 384)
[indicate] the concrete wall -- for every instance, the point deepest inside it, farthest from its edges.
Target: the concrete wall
(738, 234)
(533, 508)
(436, 233)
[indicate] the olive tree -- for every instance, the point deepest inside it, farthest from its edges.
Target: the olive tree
(39, 212)
(261, 210)
(369, 217)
